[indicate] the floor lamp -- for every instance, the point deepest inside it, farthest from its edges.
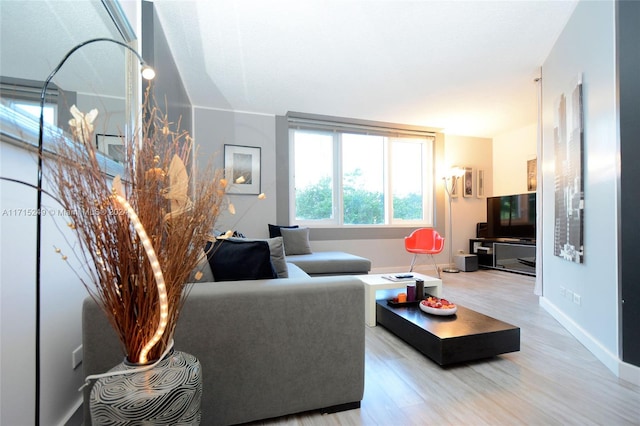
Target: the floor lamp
(450, 185)
(148, 74)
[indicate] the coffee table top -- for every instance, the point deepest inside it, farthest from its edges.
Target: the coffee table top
(464, 322)
(379, 280)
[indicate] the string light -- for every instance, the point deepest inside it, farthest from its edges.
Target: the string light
(157, 273)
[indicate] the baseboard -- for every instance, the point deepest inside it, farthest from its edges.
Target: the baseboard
(420, 269)
(388, 270)
(630, 373)
(75, 416)
(619, 368)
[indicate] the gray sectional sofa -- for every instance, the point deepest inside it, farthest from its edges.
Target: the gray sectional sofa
(268, 348)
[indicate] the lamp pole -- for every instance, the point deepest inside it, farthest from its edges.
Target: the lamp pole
(454, 180)
(148, 74)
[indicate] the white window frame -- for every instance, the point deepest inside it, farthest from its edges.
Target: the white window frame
(428, 169)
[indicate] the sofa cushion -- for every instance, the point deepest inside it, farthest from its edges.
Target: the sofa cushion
(274, 230)
(276, 247)
(233, 260)
(296, 241)
(331, 263)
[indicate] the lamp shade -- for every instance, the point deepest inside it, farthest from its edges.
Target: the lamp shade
(456, 171)
(148, 73)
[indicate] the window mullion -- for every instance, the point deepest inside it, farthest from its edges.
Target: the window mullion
(337, 173)
(388, 182)
(427, 190)
(292, 174)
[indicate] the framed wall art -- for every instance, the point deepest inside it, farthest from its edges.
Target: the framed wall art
(532, 173)
(112, 146)
(242, 169)
(569, 174)
(480, 183)
(467, 182)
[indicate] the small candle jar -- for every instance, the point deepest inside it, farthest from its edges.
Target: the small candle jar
(402, 297)
(419, 289)
(411, 292)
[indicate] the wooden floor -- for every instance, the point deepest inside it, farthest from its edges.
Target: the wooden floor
(553, 380)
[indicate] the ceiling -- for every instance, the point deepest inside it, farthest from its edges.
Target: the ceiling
(36, 35)
(464, 67)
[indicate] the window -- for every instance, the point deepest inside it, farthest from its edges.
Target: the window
(24, 96)
(20, 115)
(359, 177)
(33, 109)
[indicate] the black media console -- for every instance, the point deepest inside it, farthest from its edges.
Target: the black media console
(506, 254)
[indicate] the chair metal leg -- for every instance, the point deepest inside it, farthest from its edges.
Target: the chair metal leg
(436, 265)
(413, 262)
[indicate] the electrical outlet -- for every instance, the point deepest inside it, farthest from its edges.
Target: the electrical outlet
(76, 357)
(563, 291)
(576, 298)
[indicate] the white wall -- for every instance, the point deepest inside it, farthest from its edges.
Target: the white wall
(477, 153)
(212, 130)
(585, 46)
(511, 151)
(61, 300)
(17, 290)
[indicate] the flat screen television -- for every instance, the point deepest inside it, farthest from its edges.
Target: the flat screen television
(512, 216)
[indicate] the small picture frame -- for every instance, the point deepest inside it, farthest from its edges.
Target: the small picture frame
(480, 183)
(467, 187)
(112, 146)
(242, 169)
(532, 174)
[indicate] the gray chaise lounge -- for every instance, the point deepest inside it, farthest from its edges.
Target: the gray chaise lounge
(331, 263)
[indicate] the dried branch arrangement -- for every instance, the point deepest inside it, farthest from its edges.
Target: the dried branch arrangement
(177, 212)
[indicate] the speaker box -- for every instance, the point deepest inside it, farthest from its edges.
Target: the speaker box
(481, 230)
(467, 262)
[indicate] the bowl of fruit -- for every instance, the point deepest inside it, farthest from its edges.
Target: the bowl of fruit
(437, 306)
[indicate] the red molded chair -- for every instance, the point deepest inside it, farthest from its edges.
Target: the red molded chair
(424, 241)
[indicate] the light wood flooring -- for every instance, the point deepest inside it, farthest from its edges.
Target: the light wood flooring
(553, 380)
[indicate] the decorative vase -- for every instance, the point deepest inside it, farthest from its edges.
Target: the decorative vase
(167, 394)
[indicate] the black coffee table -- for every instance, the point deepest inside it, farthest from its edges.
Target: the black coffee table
(466, 336)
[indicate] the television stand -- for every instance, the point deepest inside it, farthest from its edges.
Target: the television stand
(505, 254)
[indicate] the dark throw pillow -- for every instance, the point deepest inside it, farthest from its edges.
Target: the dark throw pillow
(276, 246)
(240, 260)
(274, 230)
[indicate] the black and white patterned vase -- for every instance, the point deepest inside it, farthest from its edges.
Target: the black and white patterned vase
(167, 394)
